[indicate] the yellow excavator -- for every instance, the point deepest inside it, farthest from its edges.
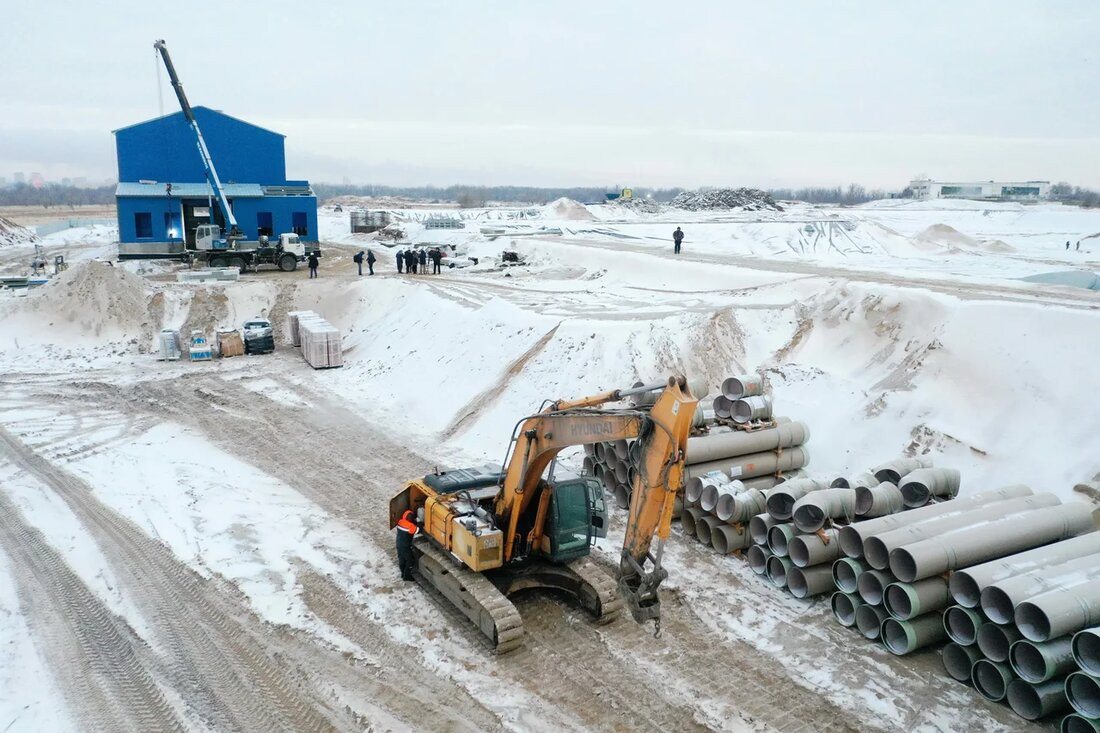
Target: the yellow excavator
(488, 533)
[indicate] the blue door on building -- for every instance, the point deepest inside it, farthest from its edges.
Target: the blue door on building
(300, 223)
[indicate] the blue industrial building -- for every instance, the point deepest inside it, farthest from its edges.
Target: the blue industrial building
(163, 195)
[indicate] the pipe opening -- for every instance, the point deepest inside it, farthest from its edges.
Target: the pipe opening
(903, 565)
(846, 573)
(869, 621)
(780, 505)
(850, 542)
(757, 558)
(1084, 694)
(876, 553)
(994, 641)
(759, 527)
(777, 571)
(796, 583)
(1086, 650)
(896, 636)
(871, 586)
(899, 601)
(964, 590)
(1028, 661)
(844, 608)
(958, 660)
(1074, 723)
(1024, 700)
(997, 605)
(778, 538)
(798, 552)
(991, 679)
(1032, 622)
(961, 625)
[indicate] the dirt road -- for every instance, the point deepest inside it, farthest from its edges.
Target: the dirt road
(209, 662)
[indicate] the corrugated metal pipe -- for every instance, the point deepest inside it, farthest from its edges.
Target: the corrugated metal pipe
(852, 536)
(922, 485)
(973, 545)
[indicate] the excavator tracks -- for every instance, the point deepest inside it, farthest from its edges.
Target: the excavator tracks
(603, 588)
(474, 595)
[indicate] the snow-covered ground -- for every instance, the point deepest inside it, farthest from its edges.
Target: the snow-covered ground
(895, 327)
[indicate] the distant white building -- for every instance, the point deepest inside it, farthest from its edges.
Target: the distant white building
(925, 188)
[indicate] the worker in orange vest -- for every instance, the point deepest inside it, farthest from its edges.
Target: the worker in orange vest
(406, 530)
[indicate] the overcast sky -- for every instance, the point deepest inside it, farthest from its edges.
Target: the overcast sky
(588, 93)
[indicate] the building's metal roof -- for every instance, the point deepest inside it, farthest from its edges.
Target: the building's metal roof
(187, 190)
(197, 107)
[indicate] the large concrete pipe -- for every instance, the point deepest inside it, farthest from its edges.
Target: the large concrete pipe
(866, 480)
(708, 498)
(759, 526)
(806, 550)
(892, 471)
(878, 501)
(745, 385)
(973, 545)
(622, 496)
(808, 582)
(782, 499)
(1076, 723)
(812, 511)
(726, 538)
(777, 570)
(1038, 662)
(763, 483)
(694, 486)
(705, 527)
(1049, 615)
(869, 620)
(742, 507)
(877, 547)
(598, 470)
(600, 451)
(999, 600)
(778, 538)
(622, 449)
(904, 601)
(1083, 692)
(968, 583)
(1086, 650)
(689, 519)
(991, 679)
(723, 407)
(719, 446)
(590, 450)
(698, 388)
(958, 660)
(871, 586)
(962, 624)
(852, 536)
(844, 607)
(622, 472)
(921, 486)
(1034, 701)
(994, 641)
(587, 466)
(754, 464)
(757, 557)
(751, 408)
(903, 637)
(846, 572)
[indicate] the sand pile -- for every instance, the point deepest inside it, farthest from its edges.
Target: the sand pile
(747, 199)
(12, 233)
(91, 299)
(566, 208)
(944, 235)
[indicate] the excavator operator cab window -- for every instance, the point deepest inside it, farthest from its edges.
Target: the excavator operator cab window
(578, 513)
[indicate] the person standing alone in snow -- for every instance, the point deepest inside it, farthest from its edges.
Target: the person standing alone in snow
(677, 237)
(406, 530)
(313, 262)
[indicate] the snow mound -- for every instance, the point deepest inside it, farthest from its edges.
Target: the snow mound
(947, 236)
(566, 208)
(748, 199)
(12, 233)
(92, 299)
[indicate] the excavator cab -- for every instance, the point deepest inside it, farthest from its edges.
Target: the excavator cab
(578, 515)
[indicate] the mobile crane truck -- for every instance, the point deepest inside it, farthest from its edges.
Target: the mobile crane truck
(211, 247)
(488, 534)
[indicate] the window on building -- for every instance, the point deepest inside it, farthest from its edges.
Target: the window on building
(299, 223)
(264, 224)
(172, 227)
(961, 191)
(143, 225)
(1020, 191)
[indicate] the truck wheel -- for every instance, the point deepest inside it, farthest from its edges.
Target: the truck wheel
(218, 262)
(288, 263)
(238, 263)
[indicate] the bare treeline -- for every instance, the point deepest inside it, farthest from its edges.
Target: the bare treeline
(53, 194)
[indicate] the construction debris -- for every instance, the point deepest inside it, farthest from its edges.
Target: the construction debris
(747, 199)
(12, 233)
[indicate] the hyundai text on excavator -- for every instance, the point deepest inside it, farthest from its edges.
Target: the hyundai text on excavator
(489, 534)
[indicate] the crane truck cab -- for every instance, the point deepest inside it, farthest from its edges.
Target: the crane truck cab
(208, 237)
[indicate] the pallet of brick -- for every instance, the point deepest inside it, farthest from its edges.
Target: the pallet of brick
(292, 320)
(321, 344)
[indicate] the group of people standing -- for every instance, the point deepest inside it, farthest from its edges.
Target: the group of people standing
(360, 256)
(415, 261)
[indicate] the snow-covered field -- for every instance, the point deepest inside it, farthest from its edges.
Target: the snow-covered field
(260, 485)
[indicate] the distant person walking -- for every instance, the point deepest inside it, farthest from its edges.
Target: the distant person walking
(423, 262)
(436, 257)
(1067, 245)
(677, 238)
(358, 258)
(370, 262)
(313, 262)
(1078, 247)
(400, 262)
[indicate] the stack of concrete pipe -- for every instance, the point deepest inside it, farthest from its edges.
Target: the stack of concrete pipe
(743, 400)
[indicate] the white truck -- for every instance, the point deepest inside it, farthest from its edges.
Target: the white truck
(213, 250)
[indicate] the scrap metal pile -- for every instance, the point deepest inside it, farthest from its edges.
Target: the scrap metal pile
(748, 199)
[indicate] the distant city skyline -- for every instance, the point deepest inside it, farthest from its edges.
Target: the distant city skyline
(644, 95)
